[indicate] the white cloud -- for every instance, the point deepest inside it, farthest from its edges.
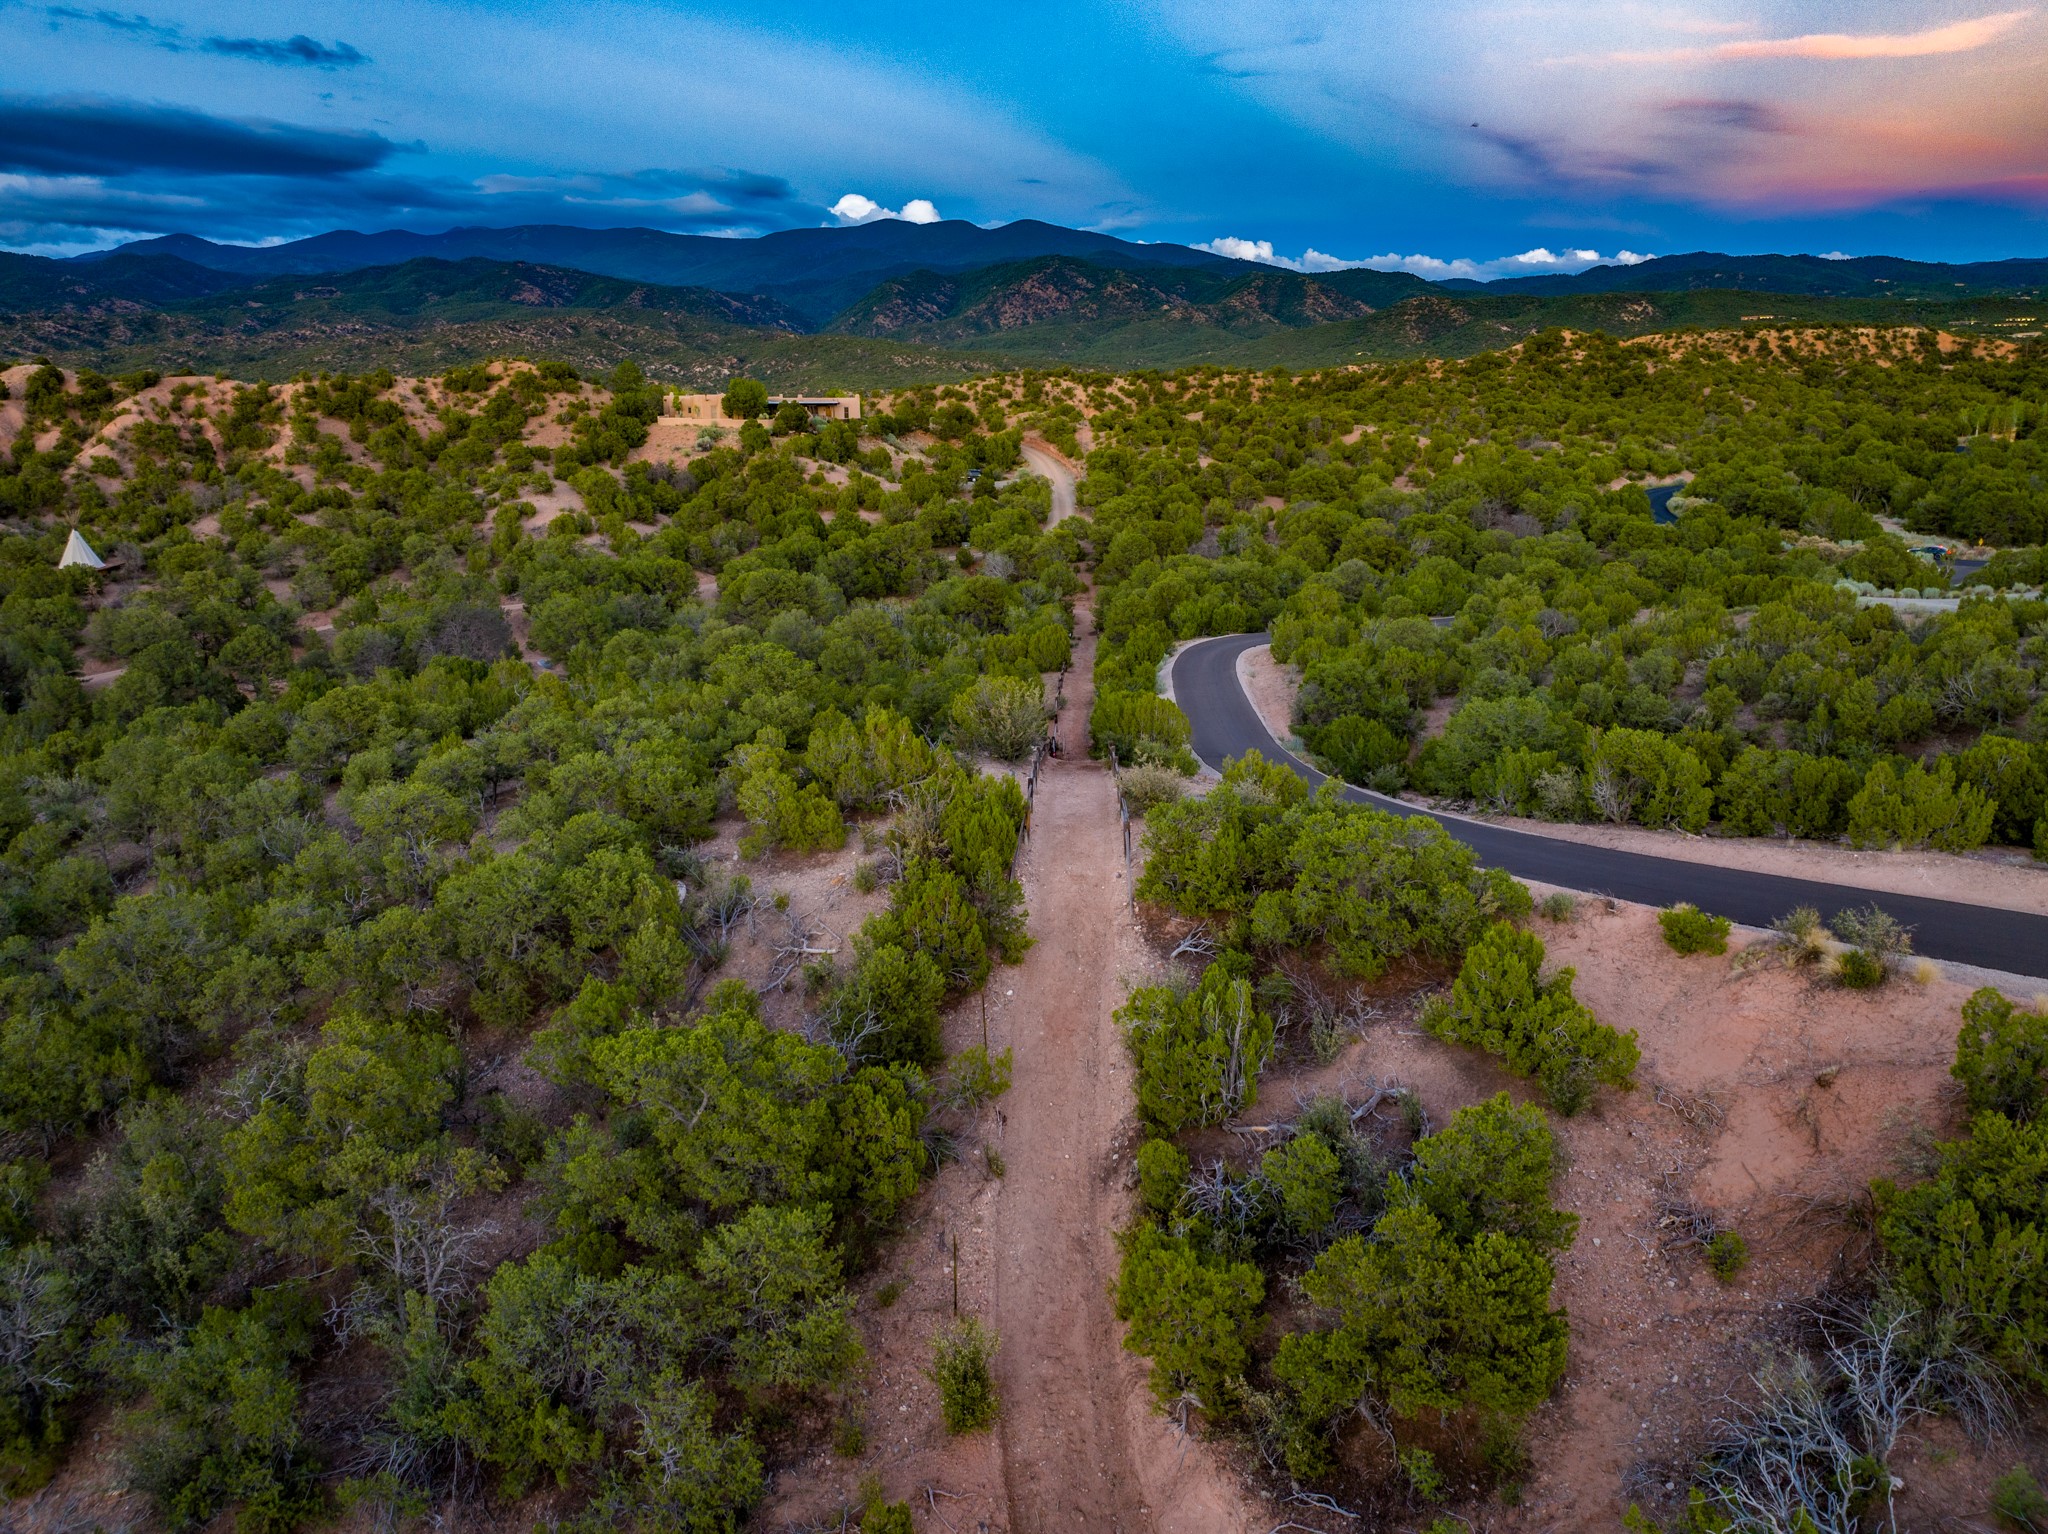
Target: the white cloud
(1434, 268)
(1836, 255)
(856, 209)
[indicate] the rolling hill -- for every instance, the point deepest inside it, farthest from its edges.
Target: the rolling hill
(881, 303)
(1808, 276)
(817, 271)
(427, 315)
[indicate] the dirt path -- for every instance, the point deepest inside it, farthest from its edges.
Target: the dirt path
(1082, 1449)
(1041, 459)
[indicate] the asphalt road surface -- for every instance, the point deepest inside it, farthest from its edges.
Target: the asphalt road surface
(1226, 725)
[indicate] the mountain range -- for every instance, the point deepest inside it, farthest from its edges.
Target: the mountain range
(882, 302)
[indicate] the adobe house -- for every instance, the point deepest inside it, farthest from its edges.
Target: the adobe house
(708, 408)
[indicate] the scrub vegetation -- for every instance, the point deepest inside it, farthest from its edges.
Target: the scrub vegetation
(1463, 561)
(387, 1121)
(386, 779)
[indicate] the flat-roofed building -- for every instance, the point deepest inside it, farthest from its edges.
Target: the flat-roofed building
(710, 408)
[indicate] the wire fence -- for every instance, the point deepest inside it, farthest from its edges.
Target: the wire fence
(1123, 812)
(1049, 746)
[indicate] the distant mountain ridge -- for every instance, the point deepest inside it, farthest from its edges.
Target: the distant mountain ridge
(1812, 276)
(892, 300)
(993, 302)
(818, 272)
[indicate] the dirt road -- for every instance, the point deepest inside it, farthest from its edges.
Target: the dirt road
(1082, 1448)
(1041, 459)
(1067, 1462)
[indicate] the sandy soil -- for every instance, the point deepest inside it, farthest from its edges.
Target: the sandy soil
(1078, 1446)
(1271, 687)
(1081, 1446)
(2008, 880)
(1773, 1115)
(552, 503)
(669, 441)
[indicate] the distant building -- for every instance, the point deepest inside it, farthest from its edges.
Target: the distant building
(710, 408)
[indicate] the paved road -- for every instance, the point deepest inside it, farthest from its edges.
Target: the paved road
(1226, 725)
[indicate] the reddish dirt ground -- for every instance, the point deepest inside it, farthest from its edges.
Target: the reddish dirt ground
(1766, 1097)
(1081, 1448)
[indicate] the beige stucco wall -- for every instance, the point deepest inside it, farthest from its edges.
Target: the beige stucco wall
(708, 408)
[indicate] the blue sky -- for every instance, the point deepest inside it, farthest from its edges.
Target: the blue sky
(1446, 136)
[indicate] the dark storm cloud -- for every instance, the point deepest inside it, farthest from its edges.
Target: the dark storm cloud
(294, 50)
(115, 21)
(66, 209)
(96, 136)
(297, 50)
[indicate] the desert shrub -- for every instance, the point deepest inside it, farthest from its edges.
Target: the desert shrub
(1526, 735)
(41, 1317)
(1424, 1476)
(1640, 776)
(962, 1357)
(1800, 933)
(1356, 748)
(1149, 785)
(2019, 1502)
(1785, 793)
(224, 1429)
(1140, 726)
(1162, 1175)
(887, 1518)
(1727, 1255)
(1558, 906)
(2001, 1053)
(1445, 1304)
(1914, 806)
(931, 914)
(1287, 871)
(1879, 946)
(1431, 1323)
(2013, 776)
(1688, 929)
(1198, 1052)
(1003, 716)
(1490, 1168)
(1307, 1179)
(1968, 1248)
(779, 811)
(1537, 1028)
(1192, 1313)
(1875, 931)
(888, 1008)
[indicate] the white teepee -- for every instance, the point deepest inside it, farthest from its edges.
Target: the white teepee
(78, 552)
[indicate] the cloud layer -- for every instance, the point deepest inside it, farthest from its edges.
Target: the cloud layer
(296, 50)
(1529, 263)
(853, 208)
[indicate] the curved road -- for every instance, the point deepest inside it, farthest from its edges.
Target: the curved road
(1225, 725)
(1041, 459)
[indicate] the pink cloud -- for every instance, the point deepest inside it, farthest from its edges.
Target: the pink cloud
(1957, 37)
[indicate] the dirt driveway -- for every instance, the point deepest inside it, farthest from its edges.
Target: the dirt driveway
(1041, 459)
(1082, 1449)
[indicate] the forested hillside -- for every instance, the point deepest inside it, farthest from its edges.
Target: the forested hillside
(419, 1093)
(383, 776)
(1464, 562)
